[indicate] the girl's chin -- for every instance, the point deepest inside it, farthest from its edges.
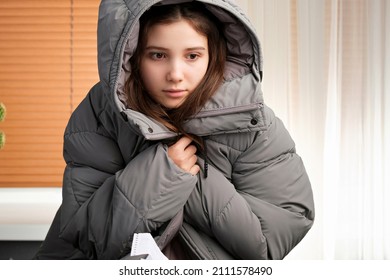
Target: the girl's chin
(172, 105)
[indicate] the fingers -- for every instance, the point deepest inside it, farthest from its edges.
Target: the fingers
(182, 149)
(190, 150)
(194, 169)
(183, 142)
(191, 162)
(183, 155)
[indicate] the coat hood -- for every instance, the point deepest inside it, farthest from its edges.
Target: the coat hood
(236, 106)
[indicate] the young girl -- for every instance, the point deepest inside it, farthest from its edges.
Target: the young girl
(175, 140)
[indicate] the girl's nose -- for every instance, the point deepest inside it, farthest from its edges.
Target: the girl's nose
(175, 73)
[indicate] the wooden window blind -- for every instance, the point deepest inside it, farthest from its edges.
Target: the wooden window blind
(47, 65)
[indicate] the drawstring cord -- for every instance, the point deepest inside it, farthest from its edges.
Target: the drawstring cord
(206, 164)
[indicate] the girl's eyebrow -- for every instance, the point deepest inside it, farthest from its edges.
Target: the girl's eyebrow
(165, 49)
(196, 49)
(155, 48)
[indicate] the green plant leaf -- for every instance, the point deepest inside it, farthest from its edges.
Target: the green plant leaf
(3, 112)
(2, 139)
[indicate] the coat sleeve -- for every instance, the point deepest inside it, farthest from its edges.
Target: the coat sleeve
(148, 192)
(107, 198)
(266, 208)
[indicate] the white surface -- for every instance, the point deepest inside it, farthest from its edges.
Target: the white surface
(26, 213)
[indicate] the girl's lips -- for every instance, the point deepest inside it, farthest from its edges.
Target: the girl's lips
(175, 93)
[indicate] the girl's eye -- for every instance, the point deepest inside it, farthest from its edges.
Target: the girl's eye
(192, 56)
(157, 56)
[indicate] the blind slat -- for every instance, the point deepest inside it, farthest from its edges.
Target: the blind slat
(41, 80)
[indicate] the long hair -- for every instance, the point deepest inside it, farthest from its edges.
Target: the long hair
(204, 23)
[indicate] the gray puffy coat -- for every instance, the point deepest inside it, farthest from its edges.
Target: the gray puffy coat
(256, 201)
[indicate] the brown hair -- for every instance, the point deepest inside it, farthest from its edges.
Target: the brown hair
(204, 23)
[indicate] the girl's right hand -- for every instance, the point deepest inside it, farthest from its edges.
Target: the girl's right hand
(183, 155)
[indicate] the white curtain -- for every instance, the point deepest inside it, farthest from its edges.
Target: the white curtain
(327, 76)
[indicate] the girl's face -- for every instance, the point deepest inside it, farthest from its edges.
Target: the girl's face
(173, 62)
